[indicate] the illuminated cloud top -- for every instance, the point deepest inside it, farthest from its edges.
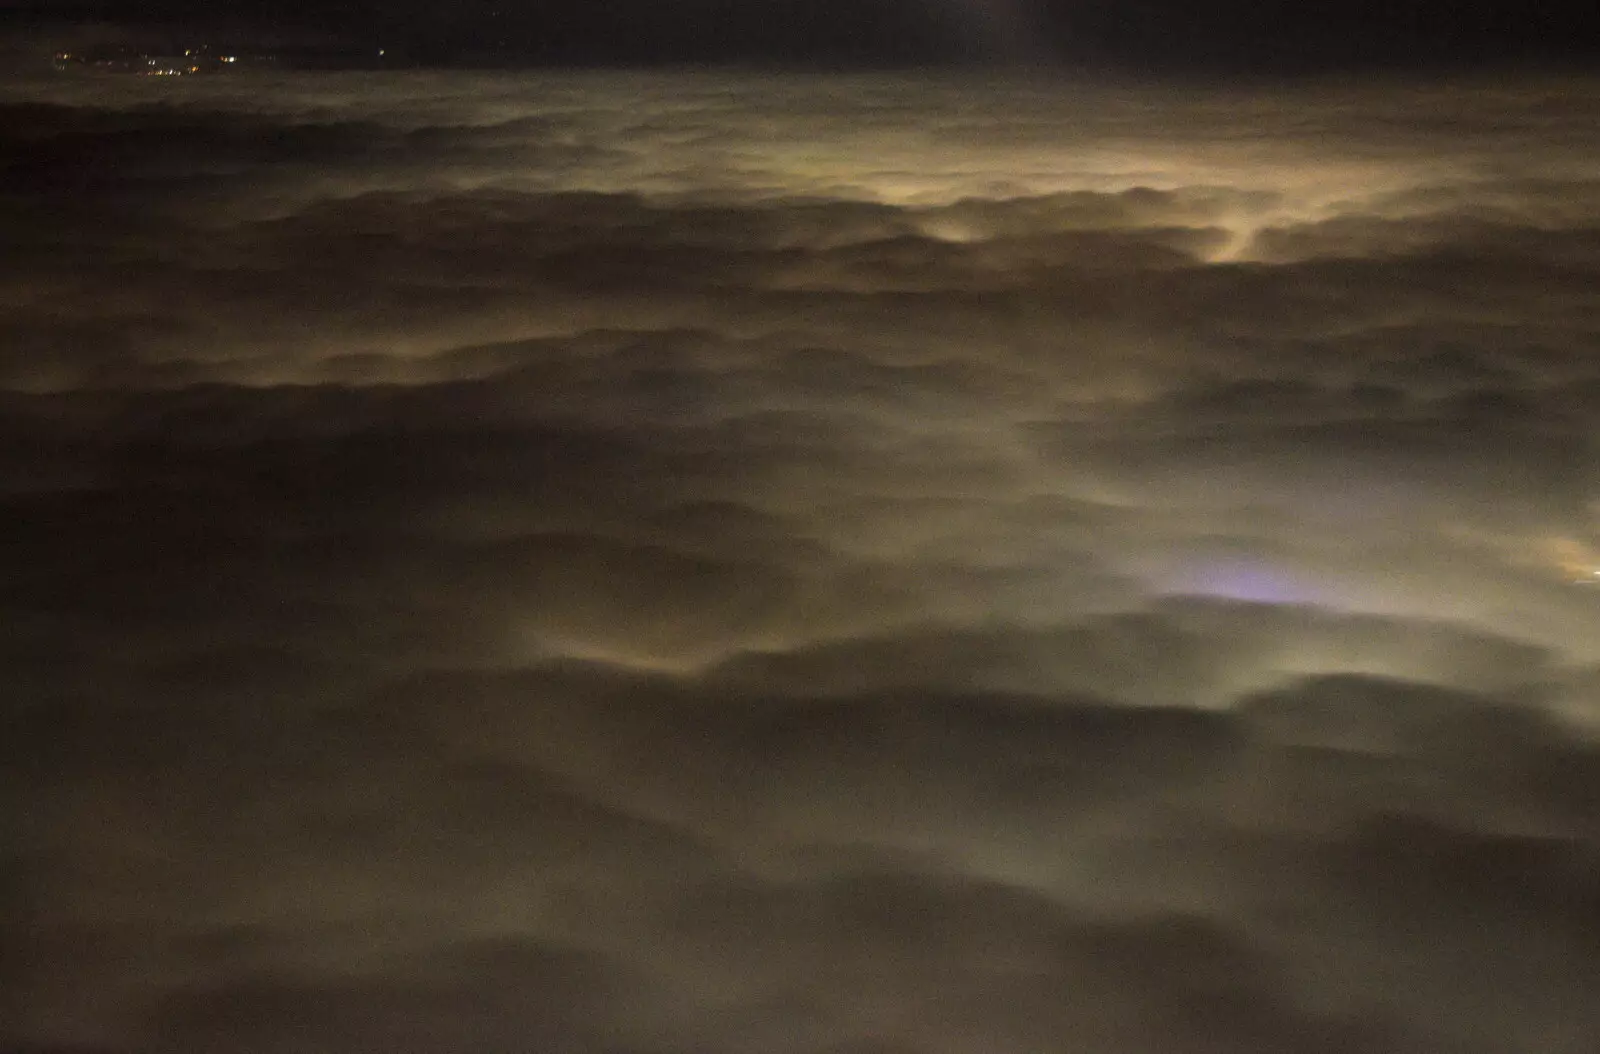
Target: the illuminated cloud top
(609, 563)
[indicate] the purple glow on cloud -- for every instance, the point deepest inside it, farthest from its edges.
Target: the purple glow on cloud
(1243, 579)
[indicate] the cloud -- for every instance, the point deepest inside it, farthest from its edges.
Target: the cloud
(887, 564)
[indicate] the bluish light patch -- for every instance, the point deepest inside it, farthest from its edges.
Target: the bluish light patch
(1238, 578)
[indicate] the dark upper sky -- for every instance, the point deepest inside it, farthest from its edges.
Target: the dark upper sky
(1230, 35)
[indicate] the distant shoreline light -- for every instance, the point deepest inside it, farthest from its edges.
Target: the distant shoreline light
(210, 58)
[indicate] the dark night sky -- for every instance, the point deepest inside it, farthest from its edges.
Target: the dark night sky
(1272, 36)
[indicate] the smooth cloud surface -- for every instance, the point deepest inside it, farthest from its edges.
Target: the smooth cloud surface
(675, 563)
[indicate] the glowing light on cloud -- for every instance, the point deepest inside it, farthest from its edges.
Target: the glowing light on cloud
(1246, 579)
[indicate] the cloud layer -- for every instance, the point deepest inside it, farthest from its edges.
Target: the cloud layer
(607, 564)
